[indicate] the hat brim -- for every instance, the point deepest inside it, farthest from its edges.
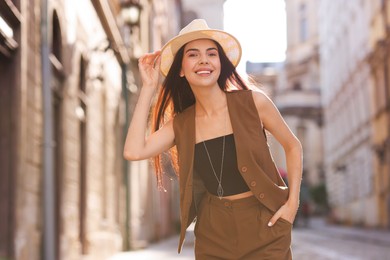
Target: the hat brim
(229, 43)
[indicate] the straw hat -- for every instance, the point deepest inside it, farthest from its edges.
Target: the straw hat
(198, 29)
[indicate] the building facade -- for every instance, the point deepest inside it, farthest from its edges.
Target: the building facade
(355, 99)
(380, 97)
(100, 204)
(211, 11)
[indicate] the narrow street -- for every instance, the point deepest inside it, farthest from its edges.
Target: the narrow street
(317, 242)
(324, 242)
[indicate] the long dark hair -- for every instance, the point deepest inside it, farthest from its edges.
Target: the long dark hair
(176, 95)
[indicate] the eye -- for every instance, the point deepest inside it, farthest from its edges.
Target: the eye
(192, 54)
(213, 54)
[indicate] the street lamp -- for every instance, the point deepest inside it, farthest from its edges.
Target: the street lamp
(131, 12)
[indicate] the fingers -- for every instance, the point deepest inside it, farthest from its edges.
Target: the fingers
(287, 213)
(149, 65)
(274, 218)
(150, 59)
(157, 61)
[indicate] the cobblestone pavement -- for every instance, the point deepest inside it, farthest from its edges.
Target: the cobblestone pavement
(319, 241)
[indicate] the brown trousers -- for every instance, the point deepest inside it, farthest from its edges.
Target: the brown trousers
(238, 230)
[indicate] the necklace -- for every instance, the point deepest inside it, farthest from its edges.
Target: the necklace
(219, 180)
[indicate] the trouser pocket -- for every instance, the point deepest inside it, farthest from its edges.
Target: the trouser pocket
(281, 229)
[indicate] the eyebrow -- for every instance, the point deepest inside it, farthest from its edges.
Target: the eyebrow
(209, 49)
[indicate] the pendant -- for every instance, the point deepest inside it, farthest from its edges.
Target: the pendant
(220, 191)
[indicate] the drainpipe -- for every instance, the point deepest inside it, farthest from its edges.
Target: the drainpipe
(126, 163)
(49, 246)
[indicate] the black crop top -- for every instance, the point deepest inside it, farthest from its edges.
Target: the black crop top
(232, 181)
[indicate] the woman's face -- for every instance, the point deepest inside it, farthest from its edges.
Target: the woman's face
(201, 64)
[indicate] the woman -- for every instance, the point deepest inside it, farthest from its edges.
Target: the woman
(228, 180)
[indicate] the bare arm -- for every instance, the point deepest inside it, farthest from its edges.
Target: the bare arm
(275, 124)
(137, 145)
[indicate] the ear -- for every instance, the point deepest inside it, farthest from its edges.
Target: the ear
(181, 73)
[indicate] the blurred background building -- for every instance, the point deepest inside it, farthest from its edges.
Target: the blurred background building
(211, 11)
(354, 72)
(333, 91)
(348, 115)
(70, 73)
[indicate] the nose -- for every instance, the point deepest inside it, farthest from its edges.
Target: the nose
(203, 59)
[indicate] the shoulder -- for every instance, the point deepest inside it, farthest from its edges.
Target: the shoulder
(261, 99)
(266, 108)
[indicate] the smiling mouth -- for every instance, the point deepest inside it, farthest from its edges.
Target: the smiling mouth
(203, 72)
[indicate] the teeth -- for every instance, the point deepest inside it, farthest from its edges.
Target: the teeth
(203, 72)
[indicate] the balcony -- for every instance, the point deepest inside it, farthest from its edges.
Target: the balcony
(300, 103)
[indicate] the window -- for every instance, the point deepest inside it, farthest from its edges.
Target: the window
(56, 48)
(303, 23)
(6, 30)
(297, 86)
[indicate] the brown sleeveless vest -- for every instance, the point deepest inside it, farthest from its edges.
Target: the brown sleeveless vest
(254, 160)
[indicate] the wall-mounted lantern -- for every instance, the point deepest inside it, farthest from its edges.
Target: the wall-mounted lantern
(131, 12)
